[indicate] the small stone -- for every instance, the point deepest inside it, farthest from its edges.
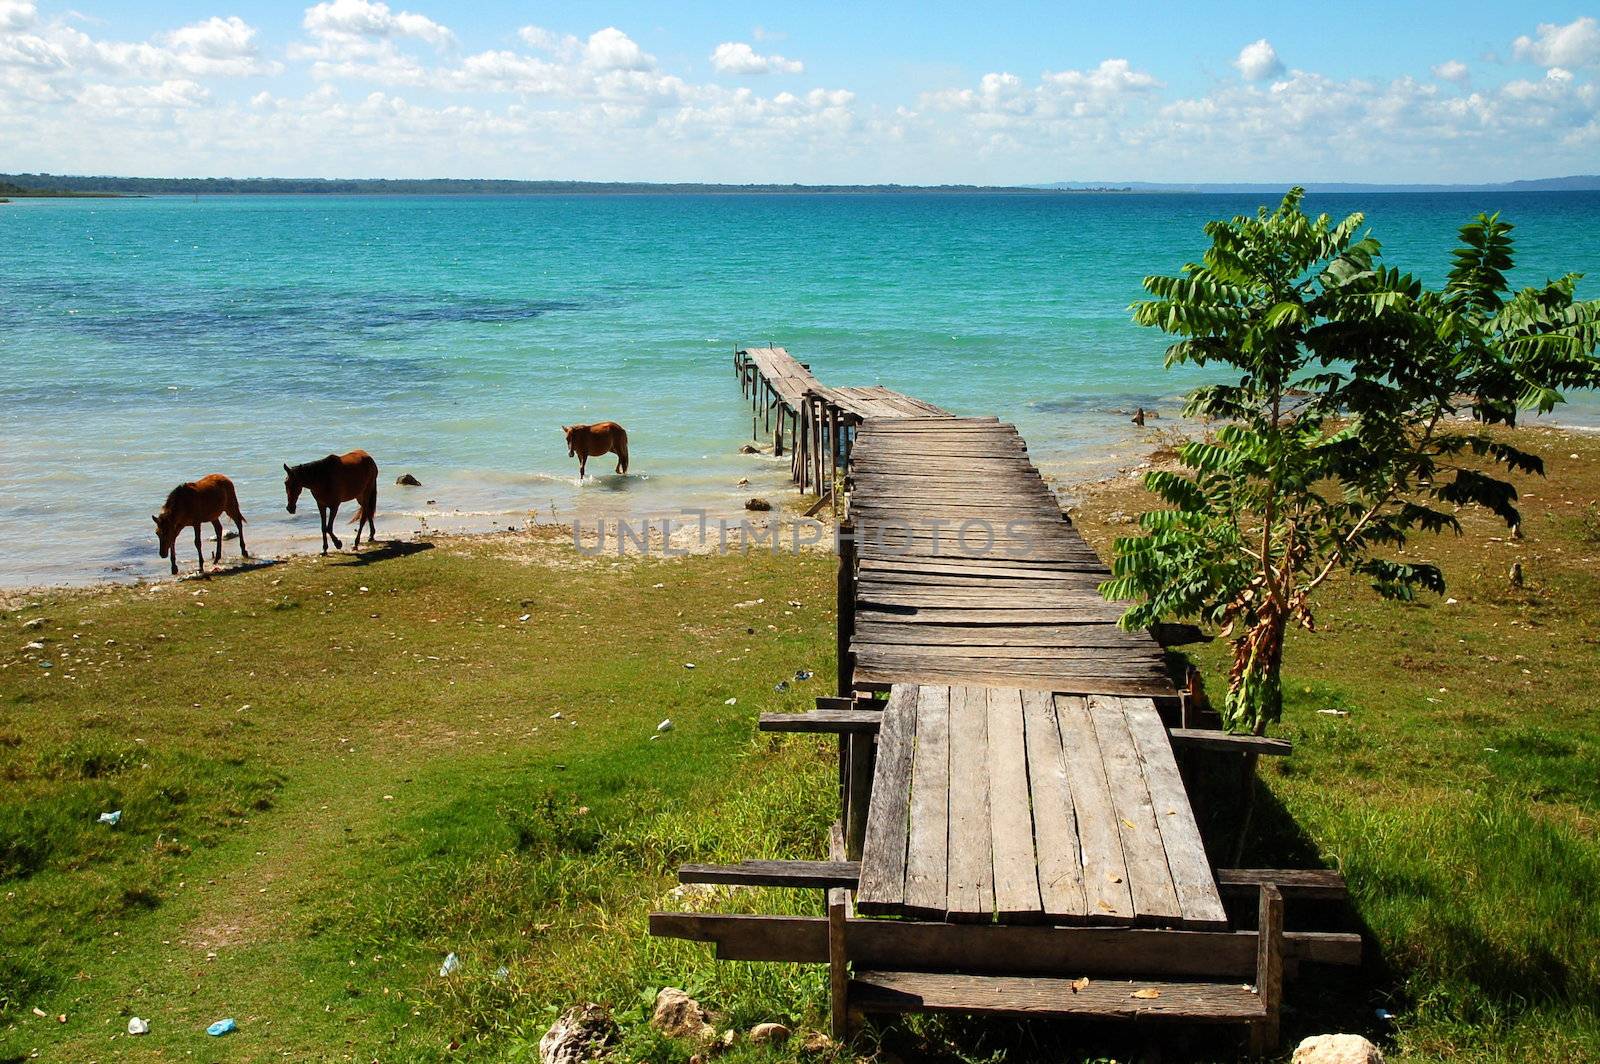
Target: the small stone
(408, 481)
(815, 1043)
(664, 726)
(677, 1015)
(749, 448)
(33, 623)
(769, 1034)
(1337, 1049)
(583, 1033)
(757, 505)
(744, 482)
(35, 645)
(137, 1026)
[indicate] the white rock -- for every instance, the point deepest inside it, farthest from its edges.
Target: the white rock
(581, 1034)
(677, 1015)
(664, 726)
(1337, 1049)
(769, 1033)
(138, 1026)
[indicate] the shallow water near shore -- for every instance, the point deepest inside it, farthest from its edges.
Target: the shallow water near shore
(146, 342)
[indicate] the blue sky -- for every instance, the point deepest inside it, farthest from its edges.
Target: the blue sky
(998, 92)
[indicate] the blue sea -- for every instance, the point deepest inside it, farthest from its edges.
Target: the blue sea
(150, 341)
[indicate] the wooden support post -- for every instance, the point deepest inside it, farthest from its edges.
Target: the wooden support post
(802, 460)
(777, 435)
(860, 798)
(838, 972)
(1269, 970)
(846, 591)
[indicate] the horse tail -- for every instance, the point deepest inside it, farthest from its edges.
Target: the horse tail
(231, 501)
(622, 449)
(369, 503)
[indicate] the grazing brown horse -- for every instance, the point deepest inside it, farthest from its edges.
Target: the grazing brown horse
(589, 441)
(195, 503)
(332, 480)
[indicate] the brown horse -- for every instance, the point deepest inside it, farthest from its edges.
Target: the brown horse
(195, 503)
(332, 480)
(589, 441)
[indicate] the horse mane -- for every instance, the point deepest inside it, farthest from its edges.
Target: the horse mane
(177, 493)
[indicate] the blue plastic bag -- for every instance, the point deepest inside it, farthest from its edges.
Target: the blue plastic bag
(222, 1027)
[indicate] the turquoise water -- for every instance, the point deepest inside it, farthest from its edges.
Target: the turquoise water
(146, 342)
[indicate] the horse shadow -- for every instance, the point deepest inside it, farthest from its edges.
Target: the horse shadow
(239, 568)
(384, 551)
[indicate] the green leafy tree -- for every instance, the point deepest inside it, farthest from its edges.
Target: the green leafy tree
(1359, 415)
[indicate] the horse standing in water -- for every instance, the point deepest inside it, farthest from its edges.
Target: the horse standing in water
(196, 503)
(332, 480)
(590, 441)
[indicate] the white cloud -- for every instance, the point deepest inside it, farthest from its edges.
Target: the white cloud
(736, 57)
(364, 18)
(1576, 44)
(1067, 95)
(611, 49)
(409, 101)
(17, 14)
(1258, 61)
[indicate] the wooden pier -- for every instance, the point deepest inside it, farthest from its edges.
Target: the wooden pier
(817, 422)
(1014, 836)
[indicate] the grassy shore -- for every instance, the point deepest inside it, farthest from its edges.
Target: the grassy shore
(332, 773)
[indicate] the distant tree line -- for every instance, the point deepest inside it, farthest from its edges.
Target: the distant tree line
(35, 184)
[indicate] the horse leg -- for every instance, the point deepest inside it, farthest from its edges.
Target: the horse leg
(333, 514)
(369, 506)
(238, 522)
(583, 460)
(322, 516)
(216, 559)
(199, 547)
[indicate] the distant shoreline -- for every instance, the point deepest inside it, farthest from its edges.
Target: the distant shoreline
(68, 185)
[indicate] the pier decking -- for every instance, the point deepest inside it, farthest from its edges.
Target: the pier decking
(1014, 826)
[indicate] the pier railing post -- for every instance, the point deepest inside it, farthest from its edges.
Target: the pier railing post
(846, 608)
(1269, 970)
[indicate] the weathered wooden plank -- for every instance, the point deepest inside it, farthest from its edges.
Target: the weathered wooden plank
(1149, 878)
(936, 616)
(1187, 862)
(970, 892)
(1013, 949)
(823, 721)
(881, 991)
(1055, 825)
(930, 643)
(1105, 872)
(1087, 637)
(1313, 884)
(1210, 739)
(881, 675)
(883, 858)
(1016, 867)
(775, 873)
(927, 852)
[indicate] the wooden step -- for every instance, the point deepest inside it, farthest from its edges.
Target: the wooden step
(1032, 996)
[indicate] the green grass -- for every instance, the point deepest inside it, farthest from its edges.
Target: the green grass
(332, 775)
(327, 789)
